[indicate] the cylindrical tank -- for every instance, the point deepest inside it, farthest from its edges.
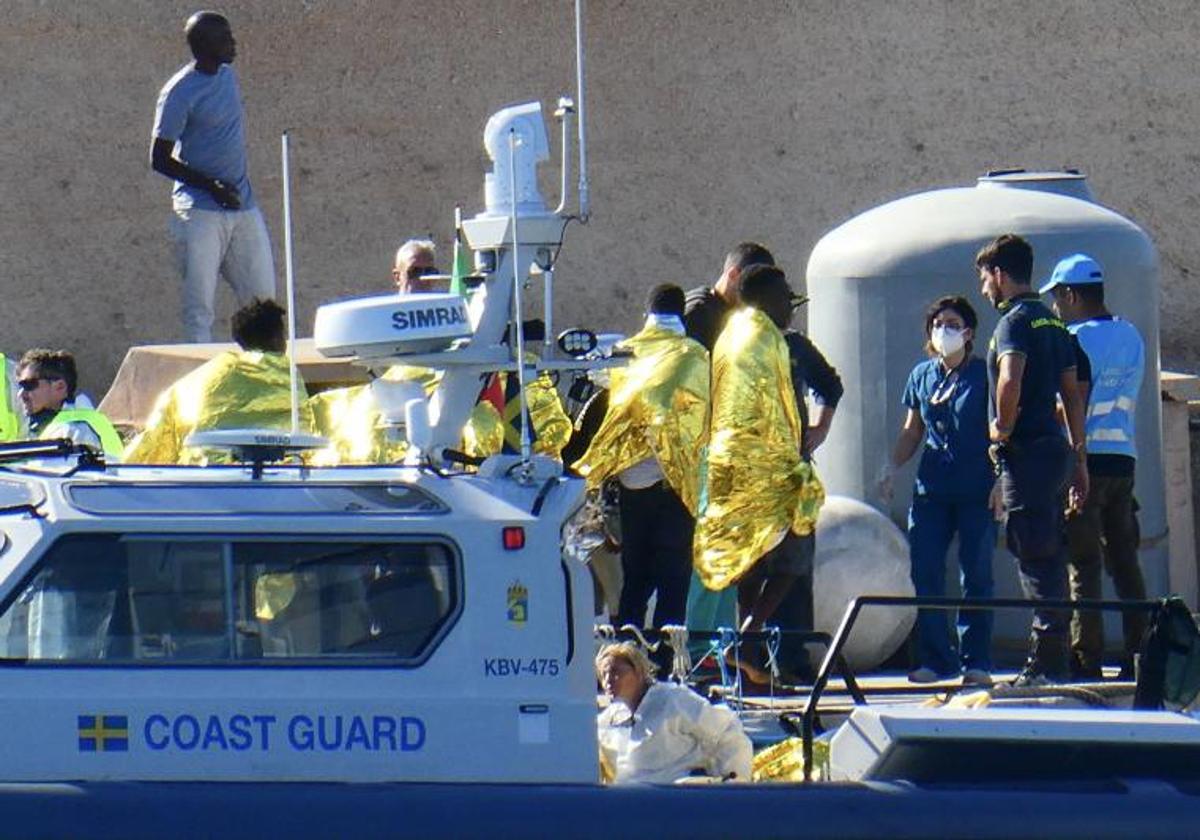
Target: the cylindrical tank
(871, 279)
(856, 543)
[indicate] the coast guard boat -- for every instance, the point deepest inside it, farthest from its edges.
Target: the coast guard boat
(406, 650)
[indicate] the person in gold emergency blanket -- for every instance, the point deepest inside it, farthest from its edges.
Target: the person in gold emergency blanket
(358, 433)
(650, 442)
(760, 494)
(249, 388)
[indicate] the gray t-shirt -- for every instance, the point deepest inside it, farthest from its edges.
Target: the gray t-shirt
(203, 114)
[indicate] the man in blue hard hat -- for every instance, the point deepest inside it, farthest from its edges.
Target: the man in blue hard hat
(1031, 362)
(1104, 534)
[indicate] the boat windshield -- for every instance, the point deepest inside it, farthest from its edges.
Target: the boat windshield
(105, 598)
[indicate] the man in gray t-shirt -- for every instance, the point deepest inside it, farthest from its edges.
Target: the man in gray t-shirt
(198, 141)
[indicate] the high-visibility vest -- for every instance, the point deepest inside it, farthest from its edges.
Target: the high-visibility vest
(10, 420)
(110, 441)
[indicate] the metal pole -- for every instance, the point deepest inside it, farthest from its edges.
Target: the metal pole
(584, 199)
(291, 286)
(520, 337)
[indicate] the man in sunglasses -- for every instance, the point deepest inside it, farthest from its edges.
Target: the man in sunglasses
(47, 380)
(415, 261)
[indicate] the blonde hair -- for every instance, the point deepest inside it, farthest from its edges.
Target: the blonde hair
(631, 653)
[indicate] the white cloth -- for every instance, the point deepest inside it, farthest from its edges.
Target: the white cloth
(231, 243)
(673, 732)
(641, 475)
(667, 322)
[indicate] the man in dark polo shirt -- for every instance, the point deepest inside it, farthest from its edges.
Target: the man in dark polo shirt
(1031, 362)
(707, 307)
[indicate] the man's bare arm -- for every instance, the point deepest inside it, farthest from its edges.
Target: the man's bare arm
(164, 162)
(1073, 403)
(1008, 395)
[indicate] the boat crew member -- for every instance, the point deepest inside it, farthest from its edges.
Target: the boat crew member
(199, 142)
(761, 496)
(47, 380)
(1030, 364)
(1104, 534)
(415, 261)
(812, 375)
(246, 389)
(659, 732)
(946, 404)
(650, 441)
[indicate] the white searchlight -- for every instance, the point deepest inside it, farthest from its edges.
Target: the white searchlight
(390, 325)
(531, 148)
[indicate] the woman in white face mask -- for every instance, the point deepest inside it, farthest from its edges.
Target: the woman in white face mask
(947, 415)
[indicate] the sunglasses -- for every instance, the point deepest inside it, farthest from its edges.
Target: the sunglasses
(419, 271)
(32, 383)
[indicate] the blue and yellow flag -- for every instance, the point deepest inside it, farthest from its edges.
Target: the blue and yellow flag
(103, 733)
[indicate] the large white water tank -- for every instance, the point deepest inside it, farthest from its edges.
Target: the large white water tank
(860, 550)
(871, 279)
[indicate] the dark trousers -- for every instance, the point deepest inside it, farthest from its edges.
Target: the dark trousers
(1104, 535)
(796, 613)
(656, 555)
(1033, 478)
(932, 524)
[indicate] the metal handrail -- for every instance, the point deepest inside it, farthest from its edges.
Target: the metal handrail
(833, 654)
(653, 634)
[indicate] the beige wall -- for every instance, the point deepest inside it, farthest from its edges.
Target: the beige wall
(710, 122)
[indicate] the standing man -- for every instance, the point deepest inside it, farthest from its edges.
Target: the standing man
(650, 441)
(708, 307)
(706, 310)
(1031, 363)
(811, 375)
(761, 496)
(47, 380)
(1104, 534)
(416, 260)
(199, 142)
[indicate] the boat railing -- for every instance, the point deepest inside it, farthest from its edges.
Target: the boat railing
(727, 637)
(835, 660)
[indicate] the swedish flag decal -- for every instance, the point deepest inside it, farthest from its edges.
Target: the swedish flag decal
(103, 733)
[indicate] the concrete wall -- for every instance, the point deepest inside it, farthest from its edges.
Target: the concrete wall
(710, 122)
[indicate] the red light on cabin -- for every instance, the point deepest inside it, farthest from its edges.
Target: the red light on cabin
(514, 538)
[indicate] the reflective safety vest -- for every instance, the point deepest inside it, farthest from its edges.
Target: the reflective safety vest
(110, 441)
(10, 419)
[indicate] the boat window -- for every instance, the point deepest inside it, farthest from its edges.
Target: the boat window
(117, 599)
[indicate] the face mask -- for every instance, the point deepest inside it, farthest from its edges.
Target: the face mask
(946, 341)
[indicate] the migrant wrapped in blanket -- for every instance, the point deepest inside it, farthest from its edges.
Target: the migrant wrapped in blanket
(358, 432)
(658, 407)
(235, 390)
(757, 485)
(350, 419)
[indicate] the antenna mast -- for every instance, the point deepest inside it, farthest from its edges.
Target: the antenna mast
(291, 285)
